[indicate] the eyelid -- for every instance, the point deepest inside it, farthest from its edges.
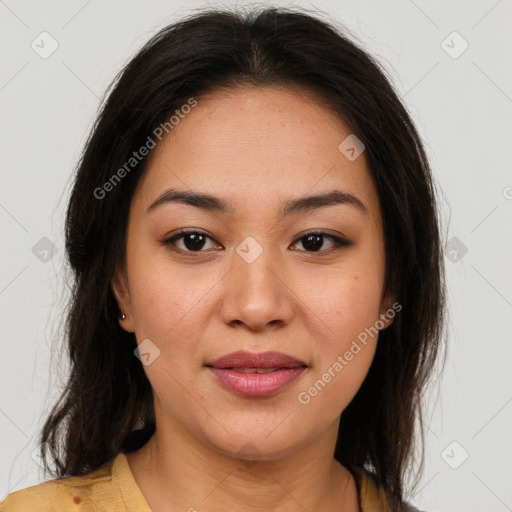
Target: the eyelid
(169, 240)
(338, 240)
(323, 232)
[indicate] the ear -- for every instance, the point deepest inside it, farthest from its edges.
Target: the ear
(389, 309)
(121, 291)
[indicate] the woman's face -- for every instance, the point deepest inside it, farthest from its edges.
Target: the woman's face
(247, 277)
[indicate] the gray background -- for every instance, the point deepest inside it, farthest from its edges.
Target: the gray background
(462, 104)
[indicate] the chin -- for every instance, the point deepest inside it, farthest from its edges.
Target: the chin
(258, 444)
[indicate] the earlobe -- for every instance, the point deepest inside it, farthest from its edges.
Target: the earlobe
(388, 312)
(120, 289)
(385, 320)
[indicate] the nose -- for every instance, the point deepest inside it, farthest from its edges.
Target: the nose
(256, 294)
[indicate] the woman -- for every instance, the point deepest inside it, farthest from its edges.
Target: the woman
(258, 297)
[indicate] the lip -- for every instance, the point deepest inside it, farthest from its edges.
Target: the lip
(231, 371)
(242, 359)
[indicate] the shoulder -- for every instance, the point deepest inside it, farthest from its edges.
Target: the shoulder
(69, 493)
(373, 495)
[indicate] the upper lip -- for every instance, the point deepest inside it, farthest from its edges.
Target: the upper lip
(243, 359)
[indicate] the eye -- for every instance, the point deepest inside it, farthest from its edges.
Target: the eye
(193, 240)
(314, 240)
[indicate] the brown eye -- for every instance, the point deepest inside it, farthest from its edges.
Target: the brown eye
(192, 241)
(314, 241)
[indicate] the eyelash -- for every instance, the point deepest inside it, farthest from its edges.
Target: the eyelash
(337, 241)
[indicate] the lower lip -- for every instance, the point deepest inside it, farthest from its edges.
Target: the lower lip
(256, 384)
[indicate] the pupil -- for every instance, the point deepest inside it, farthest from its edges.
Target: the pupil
(313, 242)
(196, 239)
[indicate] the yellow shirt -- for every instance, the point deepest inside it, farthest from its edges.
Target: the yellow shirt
(112, 488)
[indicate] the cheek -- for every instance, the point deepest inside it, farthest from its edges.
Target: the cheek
(346, 306)
(165, 306)
(159, 293)
(331, 387)
(169, 304)
(344, 352)
(167, 311)
(156, 302)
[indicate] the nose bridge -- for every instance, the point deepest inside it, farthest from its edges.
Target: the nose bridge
(255, 264)
(255, 294)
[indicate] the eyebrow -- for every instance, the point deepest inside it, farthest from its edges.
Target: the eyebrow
(216, 204)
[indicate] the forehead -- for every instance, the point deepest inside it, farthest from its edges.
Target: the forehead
(257, 142)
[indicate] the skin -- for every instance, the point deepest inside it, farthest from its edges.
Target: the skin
(214, 450)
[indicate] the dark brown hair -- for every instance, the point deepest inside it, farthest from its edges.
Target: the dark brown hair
(107, 405)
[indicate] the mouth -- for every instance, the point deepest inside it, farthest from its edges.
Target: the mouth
(256, 374)
(253, 370)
